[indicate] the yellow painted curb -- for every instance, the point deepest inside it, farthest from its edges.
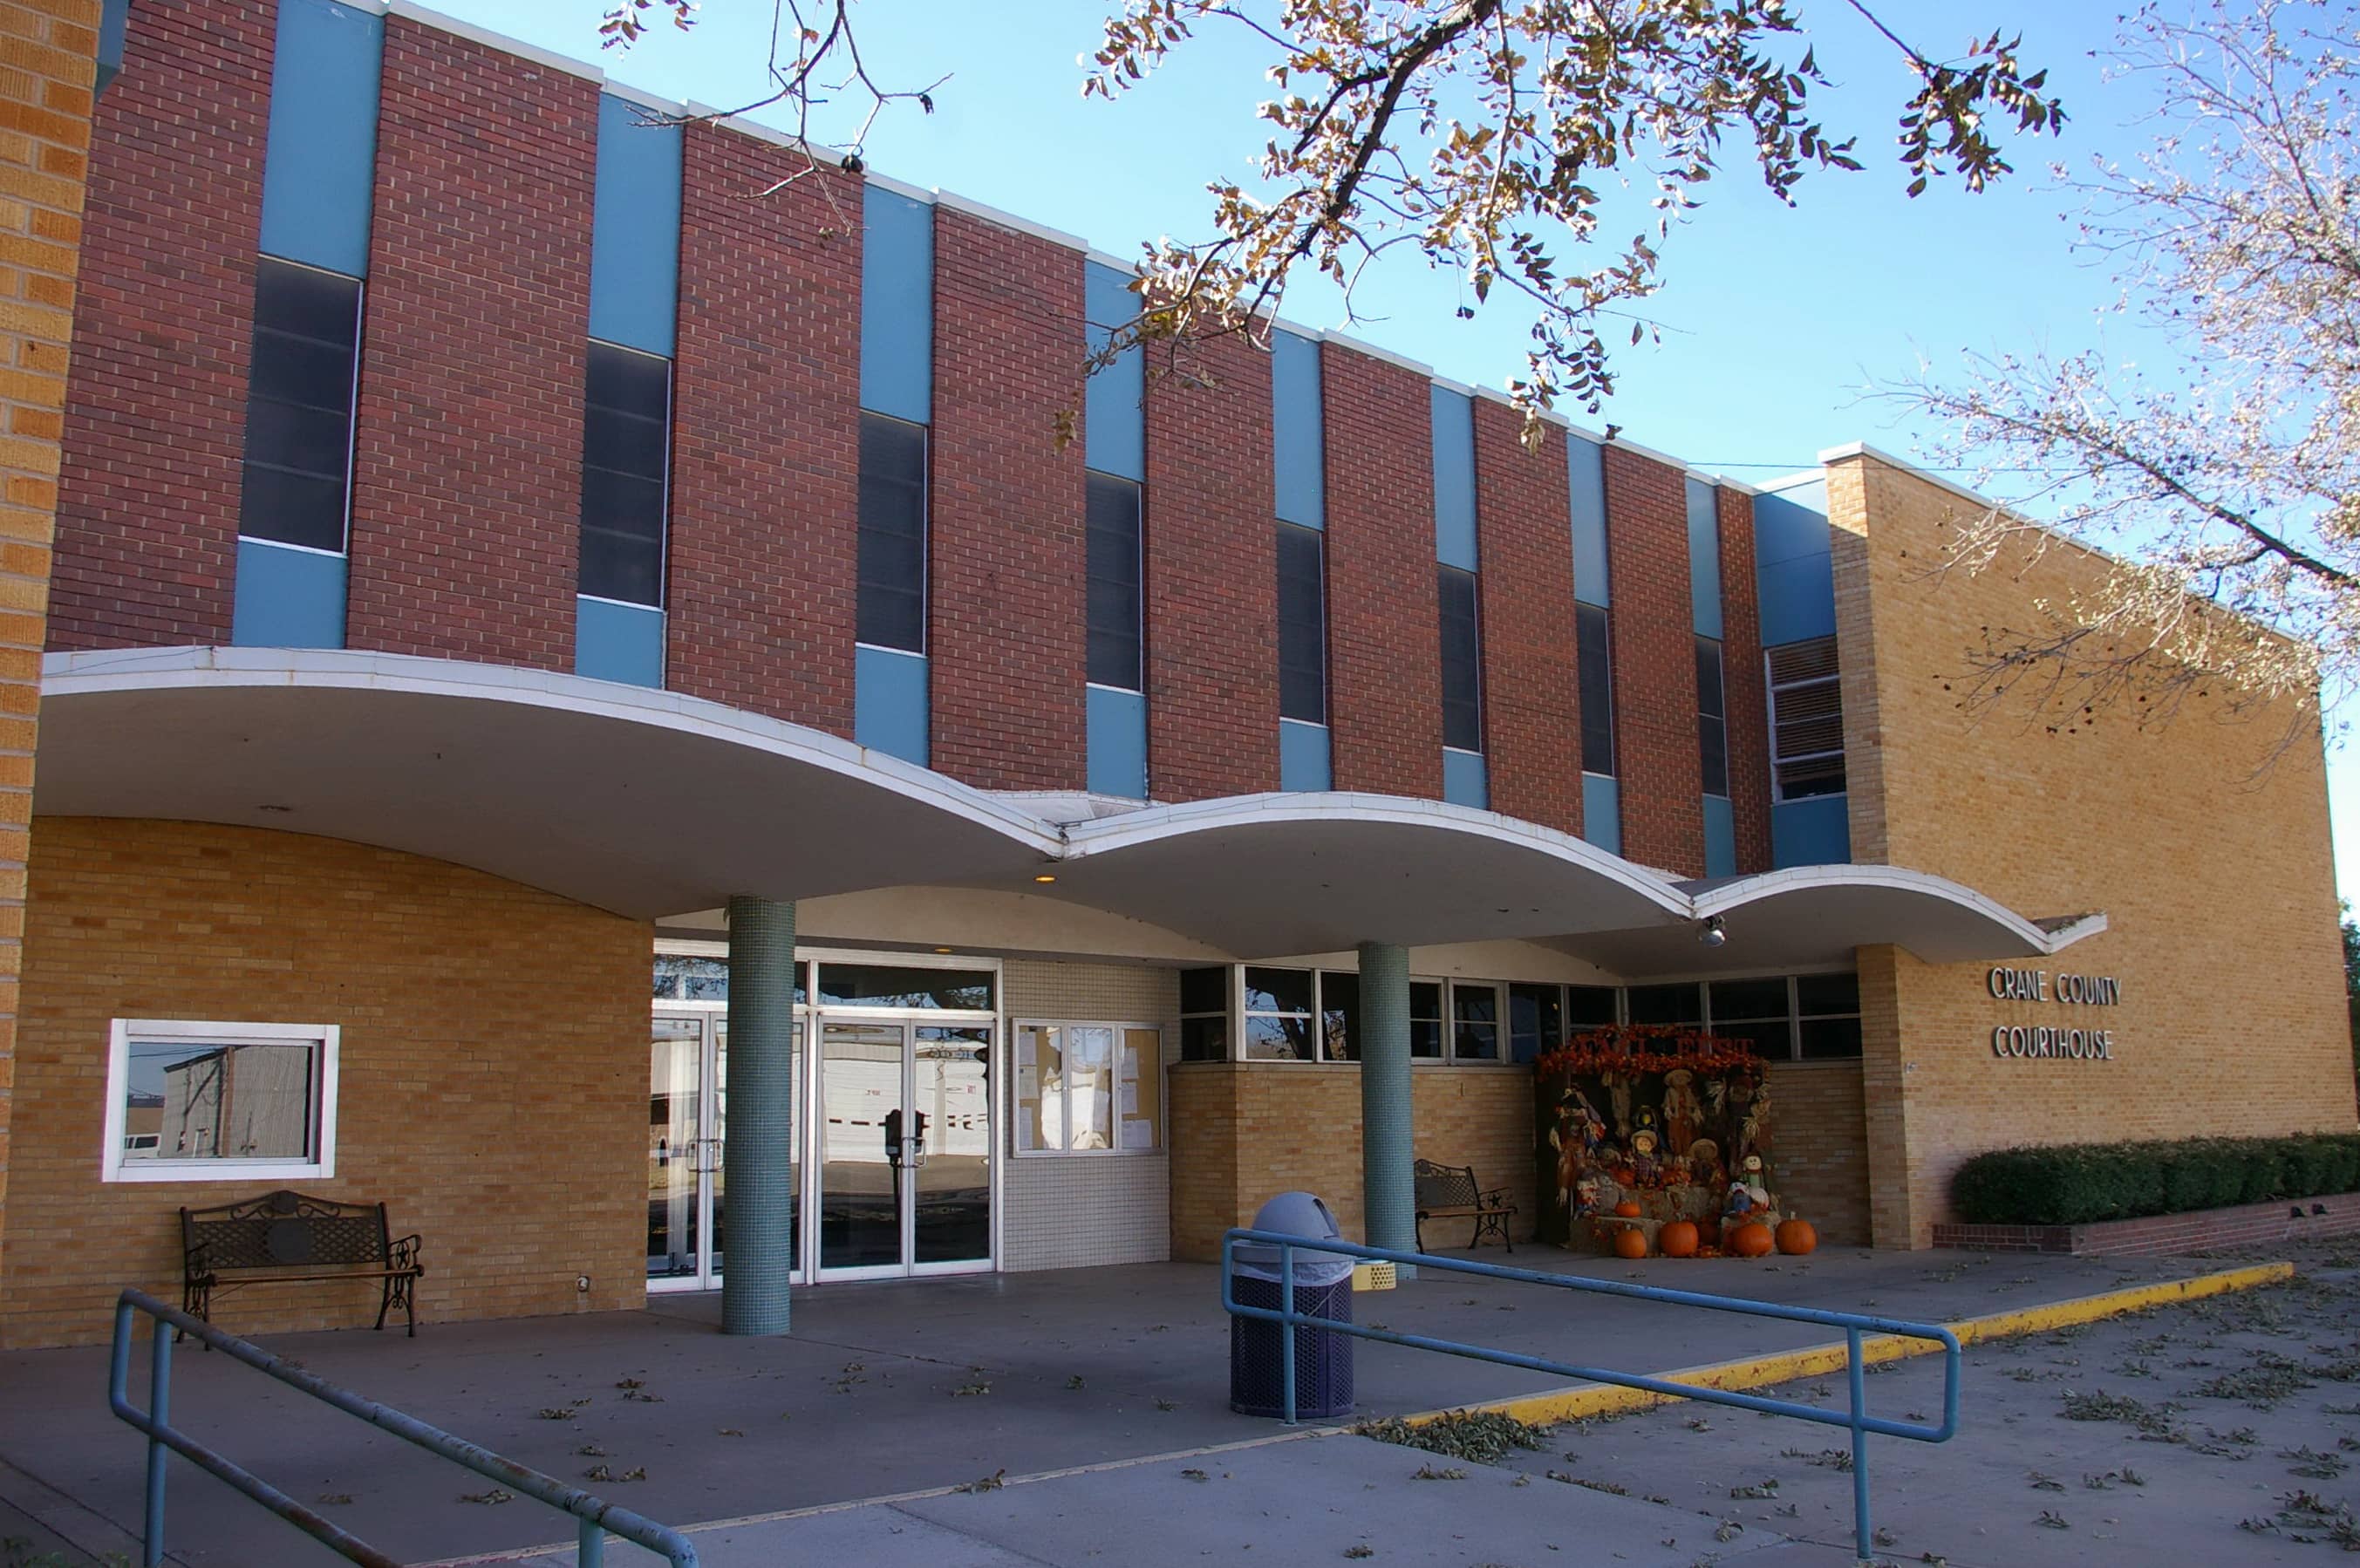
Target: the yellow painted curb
(1819, 1360)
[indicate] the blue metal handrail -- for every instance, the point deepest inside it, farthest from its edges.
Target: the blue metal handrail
(596, 1516)
(1855, 1324)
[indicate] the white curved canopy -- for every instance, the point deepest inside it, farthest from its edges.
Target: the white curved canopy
(654, 805)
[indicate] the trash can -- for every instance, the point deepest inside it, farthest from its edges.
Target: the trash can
(1323, 1285)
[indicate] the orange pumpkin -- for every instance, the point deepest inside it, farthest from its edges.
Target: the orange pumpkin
(1796, 1237)
(1752, 1240)
(1677, 1239)
(1630, 1242)
(1627, 1209)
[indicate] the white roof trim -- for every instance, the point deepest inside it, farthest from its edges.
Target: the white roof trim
(1346, 341)
(646, 99)
(409, 11)
(722, 120)
(1731, 897)
(900, 187)
(993, 215)
(1862, 449)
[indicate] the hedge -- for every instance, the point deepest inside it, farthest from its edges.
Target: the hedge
(2079, 1184)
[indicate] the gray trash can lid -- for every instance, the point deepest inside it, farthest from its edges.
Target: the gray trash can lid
(1294, 1213)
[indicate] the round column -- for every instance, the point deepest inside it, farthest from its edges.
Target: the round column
(1388, 1154)
(757, 1180)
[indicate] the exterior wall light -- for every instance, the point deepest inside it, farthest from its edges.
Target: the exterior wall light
(1045, 877)
(1710, 932)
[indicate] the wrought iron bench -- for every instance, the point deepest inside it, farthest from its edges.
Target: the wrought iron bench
(283, 1237)
(1448, 1191)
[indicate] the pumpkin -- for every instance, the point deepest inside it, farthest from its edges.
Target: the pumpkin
(1751, 1240)
(1796, 1237)
(1677, 1239)
(1627, 1209)
(1630, 1242)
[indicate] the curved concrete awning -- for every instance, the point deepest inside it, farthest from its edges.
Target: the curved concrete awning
(644, 802)
(655, 805)
(1261, 876)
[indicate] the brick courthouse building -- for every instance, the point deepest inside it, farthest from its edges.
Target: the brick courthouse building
(542, 644)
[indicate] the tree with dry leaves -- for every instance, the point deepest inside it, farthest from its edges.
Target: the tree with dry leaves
(1513, 142)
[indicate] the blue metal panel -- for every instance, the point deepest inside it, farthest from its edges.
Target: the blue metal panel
(1810, 833)
(113, 22)
(635, 230)
(619, 642)
(1298, 430)
(897, 306)
(1601, 812)
(287, 597)
(1114, 415)
(1117, 743)
(1794, 565)
(1454, 477)
(319, 173)
(1585, 470)
(888, 702)
(1303, 756)
(1465, 781)
(1720, 837)
(1704, 557)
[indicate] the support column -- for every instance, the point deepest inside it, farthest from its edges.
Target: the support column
(1389, 1193)
(757, 1171)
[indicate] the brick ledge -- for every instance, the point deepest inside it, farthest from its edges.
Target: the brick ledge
(2205, 1230)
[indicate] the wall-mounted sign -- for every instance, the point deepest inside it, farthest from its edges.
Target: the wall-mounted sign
(2052, 1042)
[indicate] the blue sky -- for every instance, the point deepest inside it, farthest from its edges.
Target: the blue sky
(1775, 322)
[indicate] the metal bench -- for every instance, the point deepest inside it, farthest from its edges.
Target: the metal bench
(284, 1237)
(1448, 1191)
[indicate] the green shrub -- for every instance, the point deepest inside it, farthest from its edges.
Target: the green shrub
(2083, 1184)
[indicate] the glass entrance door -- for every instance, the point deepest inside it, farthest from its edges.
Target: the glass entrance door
(903, 1170)
(685, 1108)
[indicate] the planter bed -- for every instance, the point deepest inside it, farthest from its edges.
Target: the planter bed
(2204, 1230)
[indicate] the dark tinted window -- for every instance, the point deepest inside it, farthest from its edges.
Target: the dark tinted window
(625, 445)
(1712, 718)
(1663, 1005)
(1588, 1007)
(1278, 990)
(1462, 662)
(1825, 1037)
(1340, 1016)
(1827, 994)
(298, 409)
(1114, 582)
(1204, 1040)
(1476, 1037)
(1593, 652)
(884, 986)
(1425, 1018)
(1204, 990)
(1302, 626)
(892, 533)
(1749, 999)
(1535, 1020)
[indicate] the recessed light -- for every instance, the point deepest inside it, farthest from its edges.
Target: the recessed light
(1045, 877)
(942, 949)
(283, 811)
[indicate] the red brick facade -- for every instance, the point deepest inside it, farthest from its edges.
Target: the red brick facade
(468, 440)
(766, 405)
(1004, 613)
(1654, 662)
(1745, 697)
(1531, 694)
(147, 530)
(1212, 619)
(1384, 623)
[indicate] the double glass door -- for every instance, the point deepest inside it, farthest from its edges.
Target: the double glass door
(688, 1054)
(903, 1166)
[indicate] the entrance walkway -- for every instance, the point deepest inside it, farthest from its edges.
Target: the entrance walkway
(882, 1390)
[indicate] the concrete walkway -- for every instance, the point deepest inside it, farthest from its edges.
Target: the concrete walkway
(883, 1390)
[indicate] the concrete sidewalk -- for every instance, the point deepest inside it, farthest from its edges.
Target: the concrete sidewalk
(882, 1390)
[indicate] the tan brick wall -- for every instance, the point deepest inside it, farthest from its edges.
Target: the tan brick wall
(1819, 1147)
(1244, 1132)
(2212, 867)
(48, 69)
(493, 1068)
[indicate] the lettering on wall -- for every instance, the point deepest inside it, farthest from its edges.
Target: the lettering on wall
(2049, 1042)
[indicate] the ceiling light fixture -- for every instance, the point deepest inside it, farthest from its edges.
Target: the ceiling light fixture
(1045, 877)
(1712, 932)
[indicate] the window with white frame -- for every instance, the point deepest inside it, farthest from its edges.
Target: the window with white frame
(1089, 1088)
(198, 1101)
(1807, 756)
(1278, 1013)
(1205, 1015)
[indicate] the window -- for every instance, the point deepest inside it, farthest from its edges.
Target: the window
(1757, 1011)
(1663, 1005)
(893, 570)
(1826, 1009)
(1594, 657)
(209, 1101)
(1712, 718)
(1278, 1015)
(886, 986)
(626, 455)
(1204, 1015)
(1589, 1006)
(1462, 662)
(1535, 1020)
(1114, 582)
(1302, 625)
(1475, 1022)
(1425, 1018)
(299, 408)
(1340, 1016)
(1806, 721)
(1089, 1088)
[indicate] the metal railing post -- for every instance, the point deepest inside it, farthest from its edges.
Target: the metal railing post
(590, 1545)
(1857, 1371)
(1286, 1325)
(159, 1407)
